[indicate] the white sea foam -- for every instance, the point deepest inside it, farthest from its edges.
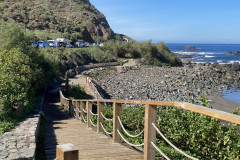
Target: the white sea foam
(188, 53)
(191, 53)
(206, 53)
(233, 62)
(209, 56)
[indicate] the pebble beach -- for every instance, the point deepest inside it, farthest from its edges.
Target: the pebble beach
(173, 83)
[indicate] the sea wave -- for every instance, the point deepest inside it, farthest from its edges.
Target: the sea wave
(206, 53)
(194, 53)
(209, 56)
(186, 53)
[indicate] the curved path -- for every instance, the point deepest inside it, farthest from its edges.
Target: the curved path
(62, 129)
(81, 80)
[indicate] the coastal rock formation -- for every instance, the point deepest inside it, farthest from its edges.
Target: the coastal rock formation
(75, 20)
(236, 53)
(169, 83)
(190, 47)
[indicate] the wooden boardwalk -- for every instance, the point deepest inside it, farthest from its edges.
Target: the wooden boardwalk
(62, 129)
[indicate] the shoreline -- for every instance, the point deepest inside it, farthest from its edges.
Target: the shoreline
(220, 103)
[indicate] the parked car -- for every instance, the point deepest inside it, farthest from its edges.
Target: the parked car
(43, 44)
(69, 45)
(53, 43)
(86, 44)
(34, 45)
(79, 44)
(62, 42)
(99, 44)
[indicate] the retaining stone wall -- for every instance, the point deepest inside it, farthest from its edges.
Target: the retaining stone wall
(20, 143)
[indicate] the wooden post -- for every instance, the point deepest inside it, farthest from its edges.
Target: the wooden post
(76, 109)
(82, 105)
(89, 115)
(100, 106)
(61, 98)
(149, 131)
(70, 107)
(117, 107)
(66, 152)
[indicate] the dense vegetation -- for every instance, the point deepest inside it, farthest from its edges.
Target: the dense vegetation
(148, 53)
(24, 69)
(49, 19)
(201, 136)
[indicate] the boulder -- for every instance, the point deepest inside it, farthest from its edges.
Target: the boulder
(236, 66)
(186, 62)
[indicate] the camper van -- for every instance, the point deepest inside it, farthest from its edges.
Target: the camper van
(53, 43)
(43, 44)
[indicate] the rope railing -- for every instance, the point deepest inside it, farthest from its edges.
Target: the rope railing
(149, 129)
(85, 111)
(94, 125)
(105, 118)
(134, 145)
(78, 110)
(130, 135)
(74, 113)
(92, 113)
(84, 119)
(177, 149)
(109, 133)
(160, 151)
(79, 113)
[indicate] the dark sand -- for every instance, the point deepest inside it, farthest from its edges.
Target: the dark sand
(222, 104)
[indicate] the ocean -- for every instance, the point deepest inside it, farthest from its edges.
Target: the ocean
(211, 53)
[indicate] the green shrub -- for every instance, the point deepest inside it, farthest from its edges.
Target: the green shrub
(198, 135)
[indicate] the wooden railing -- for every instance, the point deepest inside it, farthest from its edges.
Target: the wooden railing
(79, 108)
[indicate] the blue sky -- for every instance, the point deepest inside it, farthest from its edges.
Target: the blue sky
(174, 21)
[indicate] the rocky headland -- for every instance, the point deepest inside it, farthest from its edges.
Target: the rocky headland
(169, 83)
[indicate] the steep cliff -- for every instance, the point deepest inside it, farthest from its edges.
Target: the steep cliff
(49, 19)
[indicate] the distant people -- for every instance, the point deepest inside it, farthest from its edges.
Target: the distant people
(148, 95)
(77, 70)
(66, 75)
(193, 96)
(189, 93)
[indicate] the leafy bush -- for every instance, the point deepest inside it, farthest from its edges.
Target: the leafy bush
(153, 54)
(198, 135)
(23, 70)
(16, 76)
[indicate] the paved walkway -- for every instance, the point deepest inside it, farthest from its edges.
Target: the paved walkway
(61, 129)
(81, 80)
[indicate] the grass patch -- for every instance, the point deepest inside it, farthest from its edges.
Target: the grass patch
(77, 92)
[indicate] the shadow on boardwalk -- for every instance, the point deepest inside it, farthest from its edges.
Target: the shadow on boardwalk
(54, 114)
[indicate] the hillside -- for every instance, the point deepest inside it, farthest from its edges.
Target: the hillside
(49, 19)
